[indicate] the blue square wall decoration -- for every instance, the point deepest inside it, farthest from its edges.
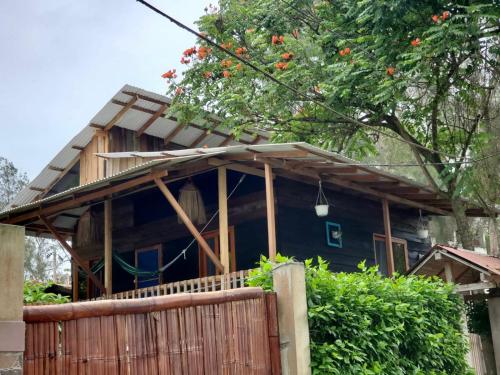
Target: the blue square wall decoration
(333, 234)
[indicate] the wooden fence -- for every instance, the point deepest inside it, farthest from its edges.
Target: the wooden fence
(482, 358)
(224, 332)
(227, 281)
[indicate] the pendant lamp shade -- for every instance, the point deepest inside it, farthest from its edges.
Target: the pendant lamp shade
(191, 201)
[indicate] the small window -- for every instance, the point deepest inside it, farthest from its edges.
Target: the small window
(399, 251)
(148, 259)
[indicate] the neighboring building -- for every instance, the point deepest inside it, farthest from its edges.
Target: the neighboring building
(114, 191)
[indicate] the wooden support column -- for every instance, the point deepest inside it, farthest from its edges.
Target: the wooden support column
(271, 218)
(223, 219)
(74, 256)
(388, 237)
(188, 223)
(448, 273)
(75, 281)
(108, 247)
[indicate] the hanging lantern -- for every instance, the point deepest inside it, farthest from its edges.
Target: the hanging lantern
(191, 201)
(322, 205)
(422, 229)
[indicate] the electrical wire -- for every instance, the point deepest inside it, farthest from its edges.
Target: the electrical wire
(283, 84)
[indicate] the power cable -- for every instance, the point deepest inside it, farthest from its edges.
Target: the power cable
(269, 76)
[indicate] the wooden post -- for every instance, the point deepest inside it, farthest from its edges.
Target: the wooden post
(74, 271)
(388, 237)
(223, 219)
(290, 286)
(448, 272)
(188, 223)
(271, 219)
(74, 256)
(12, 328)
(108, 247)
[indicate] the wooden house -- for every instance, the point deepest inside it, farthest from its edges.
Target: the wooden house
(111, 197)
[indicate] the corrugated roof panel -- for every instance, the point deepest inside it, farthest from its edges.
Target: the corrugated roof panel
(133, 119)
(187, 136)
(161, 127)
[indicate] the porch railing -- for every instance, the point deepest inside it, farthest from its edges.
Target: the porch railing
(233, 280)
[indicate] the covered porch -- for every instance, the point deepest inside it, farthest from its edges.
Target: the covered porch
(258, 199)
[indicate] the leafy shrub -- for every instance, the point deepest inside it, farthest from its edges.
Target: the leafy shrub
(478, 320)
(34, 294)
(364, 323)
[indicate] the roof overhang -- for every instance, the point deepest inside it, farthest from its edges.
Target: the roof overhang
(472, 271)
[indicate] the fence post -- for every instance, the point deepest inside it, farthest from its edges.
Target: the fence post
(290, 287)
(11, 299)
(494, 314)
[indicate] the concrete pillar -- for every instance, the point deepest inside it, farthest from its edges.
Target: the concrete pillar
(290, 287)
(494, 313)
(11, 299)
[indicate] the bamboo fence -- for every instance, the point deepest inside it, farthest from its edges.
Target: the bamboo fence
(224, 332)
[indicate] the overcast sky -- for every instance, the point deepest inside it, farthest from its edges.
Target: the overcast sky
(62, 60)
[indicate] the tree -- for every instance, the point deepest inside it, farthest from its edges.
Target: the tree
(424, 72)
(11, 181)
(40, 252)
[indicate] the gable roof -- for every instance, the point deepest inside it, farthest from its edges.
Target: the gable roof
(467, 266)
(134, 109)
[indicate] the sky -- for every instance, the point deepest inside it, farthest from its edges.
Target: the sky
(62, 60)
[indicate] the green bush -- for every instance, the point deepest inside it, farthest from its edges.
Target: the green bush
(34, 294)
(363, 323)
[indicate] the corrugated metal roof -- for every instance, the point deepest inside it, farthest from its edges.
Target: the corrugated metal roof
(133, 119)
(123, 175)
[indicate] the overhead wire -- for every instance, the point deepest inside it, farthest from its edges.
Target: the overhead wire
(269, 76)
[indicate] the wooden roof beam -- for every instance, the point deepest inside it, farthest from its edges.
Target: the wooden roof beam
(200, 138)
(170, 136)
(152, 119)
(365, 189)
(78, 200)
(173, 118)
(120, 113)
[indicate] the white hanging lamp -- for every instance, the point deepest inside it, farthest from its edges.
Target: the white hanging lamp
(322, 205)
(422, 229)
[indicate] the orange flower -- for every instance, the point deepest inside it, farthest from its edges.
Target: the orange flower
(415, 42)
(226, 63)
(207, 75)
(170, 74)
(281, 65)
(189, 51)
(241, 50)
(226, 74)
(277, 39)
(347, 51)
(390, 71)
(226, 45)
(435, 18)
(184, 60)
(179, 90)
(239, 66)
(287, 56)
(445, 15)
(203, 52)
(342, 52)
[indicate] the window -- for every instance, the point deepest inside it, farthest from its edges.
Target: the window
(148, 259)
(399, 252)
